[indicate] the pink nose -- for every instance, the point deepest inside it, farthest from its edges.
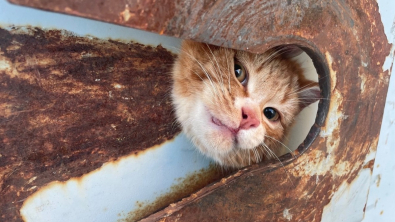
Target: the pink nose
(249, 119)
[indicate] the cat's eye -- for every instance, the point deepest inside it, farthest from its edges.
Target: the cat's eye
(271, 114)
(240, 72)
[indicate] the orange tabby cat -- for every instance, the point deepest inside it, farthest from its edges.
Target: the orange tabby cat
(236, 106)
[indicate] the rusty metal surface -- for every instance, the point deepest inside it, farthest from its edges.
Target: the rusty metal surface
(69, 104)
(347, 35)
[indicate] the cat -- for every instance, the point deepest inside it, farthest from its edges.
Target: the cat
(235, 106)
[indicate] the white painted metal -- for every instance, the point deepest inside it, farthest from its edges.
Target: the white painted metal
(113, 191)
(381, 201)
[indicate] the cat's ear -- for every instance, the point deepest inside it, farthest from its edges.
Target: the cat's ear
(289, 51)
(309, 93)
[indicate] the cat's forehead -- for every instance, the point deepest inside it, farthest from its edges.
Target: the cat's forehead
(271, 82)
(271, 78)
(266, 72)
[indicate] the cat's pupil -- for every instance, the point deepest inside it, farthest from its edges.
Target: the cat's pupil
(238, 70)
(270, 113)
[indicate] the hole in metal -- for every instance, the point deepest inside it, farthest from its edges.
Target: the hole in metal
(323, 104)
(309, 121)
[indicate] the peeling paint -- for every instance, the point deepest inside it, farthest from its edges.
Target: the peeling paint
(287, 215)
(7, 67)
(126, 14)
(334, 114)
(389, 60)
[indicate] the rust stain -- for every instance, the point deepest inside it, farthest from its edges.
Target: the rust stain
(70, 104)
(369, 165)
(182, 188)
(378, 180)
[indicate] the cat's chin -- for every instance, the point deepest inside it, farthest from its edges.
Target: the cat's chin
(221, 142)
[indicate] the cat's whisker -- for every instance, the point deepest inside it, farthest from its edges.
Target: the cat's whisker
(214, 67)
(208, 86)
(249, 156)
(253, 152)
(218, 67)
(257, 156)
(301, 89)
(283, 167)
(232, 158)
(263, 150)
(237, 155)
(229, 73)
(209, 78)
(266, 58)
(203, 69)
(290, 151)
(213, 86)
(275, 54)
(268, 153)
(302, 98)
(307, 85)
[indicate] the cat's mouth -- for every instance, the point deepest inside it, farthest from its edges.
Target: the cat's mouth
(218, 122)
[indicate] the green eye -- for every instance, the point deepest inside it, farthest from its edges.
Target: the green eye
(271, 114)
(240, 72)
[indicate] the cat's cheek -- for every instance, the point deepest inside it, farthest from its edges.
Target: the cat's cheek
(251, 138)
(212, 140)
(213, 144)
(220, 143)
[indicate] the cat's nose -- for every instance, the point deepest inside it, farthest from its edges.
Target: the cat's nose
(249, 118)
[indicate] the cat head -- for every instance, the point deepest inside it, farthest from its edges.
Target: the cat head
(236, 106)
